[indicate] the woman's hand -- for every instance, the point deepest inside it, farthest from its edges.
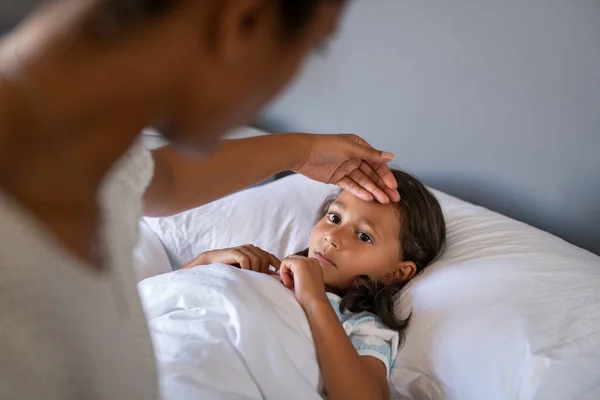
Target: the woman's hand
(246, 257)
(349, 162)
(184, 181)
(305, 276)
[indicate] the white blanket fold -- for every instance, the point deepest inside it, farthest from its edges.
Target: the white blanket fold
(223, 333)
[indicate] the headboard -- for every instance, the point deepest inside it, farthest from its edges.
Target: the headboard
(497, 103)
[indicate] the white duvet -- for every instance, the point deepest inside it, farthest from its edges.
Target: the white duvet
(223, 333)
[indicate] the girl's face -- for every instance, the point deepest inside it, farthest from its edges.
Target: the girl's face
(357, 238)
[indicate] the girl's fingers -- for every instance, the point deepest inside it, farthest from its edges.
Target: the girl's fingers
(286, 276)
(255, 263)
(274, 261)
(243, 260)
(265, 262)
(259, 260)
(248, 260)
(266, 259)
(252, 259)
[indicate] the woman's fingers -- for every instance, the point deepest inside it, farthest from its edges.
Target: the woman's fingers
(382, 176)
(389, 181)
(362, 186)
(366, 182)
(386, 175)
(371, 173)
(357, 147)
(348, 184)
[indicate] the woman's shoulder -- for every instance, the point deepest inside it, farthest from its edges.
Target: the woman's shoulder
(133, 170)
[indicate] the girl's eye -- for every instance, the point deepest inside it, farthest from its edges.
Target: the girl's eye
(365, 238)
(334, 218)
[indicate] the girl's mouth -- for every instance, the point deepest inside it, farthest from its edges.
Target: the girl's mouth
(323, 258)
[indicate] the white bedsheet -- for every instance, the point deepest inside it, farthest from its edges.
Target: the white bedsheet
(208, 328)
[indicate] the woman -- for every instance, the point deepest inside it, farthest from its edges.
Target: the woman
(78, 81)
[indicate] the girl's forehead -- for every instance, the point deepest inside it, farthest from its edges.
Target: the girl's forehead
(383, 215)
(348, 199)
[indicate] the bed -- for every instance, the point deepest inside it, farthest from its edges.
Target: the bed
(508, 311)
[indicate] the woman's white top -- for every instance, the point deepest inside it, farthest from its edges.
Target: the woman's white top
(66, 331)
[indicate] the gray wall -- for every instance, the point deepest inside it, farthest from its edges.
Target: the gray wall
(13, 11)
(496, 102)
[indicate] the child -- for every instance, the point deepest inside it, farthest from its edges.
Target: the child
(361, 255)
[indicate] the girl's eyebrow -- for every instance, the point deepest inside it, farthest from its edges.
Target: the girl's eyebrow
(338, 205)
(365, 221)
(370, 225)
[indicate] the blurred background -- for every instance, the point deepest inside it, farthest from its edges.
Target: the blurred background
(12, 11)
(496, 102)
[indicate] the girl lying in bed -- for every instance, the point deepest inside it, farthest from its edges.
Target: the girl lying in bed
(361, 255)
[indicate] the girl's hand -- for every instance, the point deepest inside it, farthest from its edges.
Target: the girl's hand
(305, 276)
(246, 257)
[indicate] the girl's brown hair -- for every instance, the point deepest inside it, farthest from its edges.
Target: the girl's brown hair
(422, 237)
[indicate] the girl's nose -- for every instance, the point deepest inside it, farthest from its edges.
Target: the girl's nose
(333, 238)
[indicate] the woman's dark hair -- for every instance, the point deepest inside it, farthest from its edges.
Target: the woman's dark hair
(422, 239)
(295, 14)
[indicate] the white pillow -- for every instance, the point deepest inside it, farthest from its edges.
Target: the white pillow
(508, 312)
(277, 217)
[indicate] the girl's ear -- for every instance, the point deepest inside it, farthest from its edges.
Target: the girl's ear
(405, 271)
